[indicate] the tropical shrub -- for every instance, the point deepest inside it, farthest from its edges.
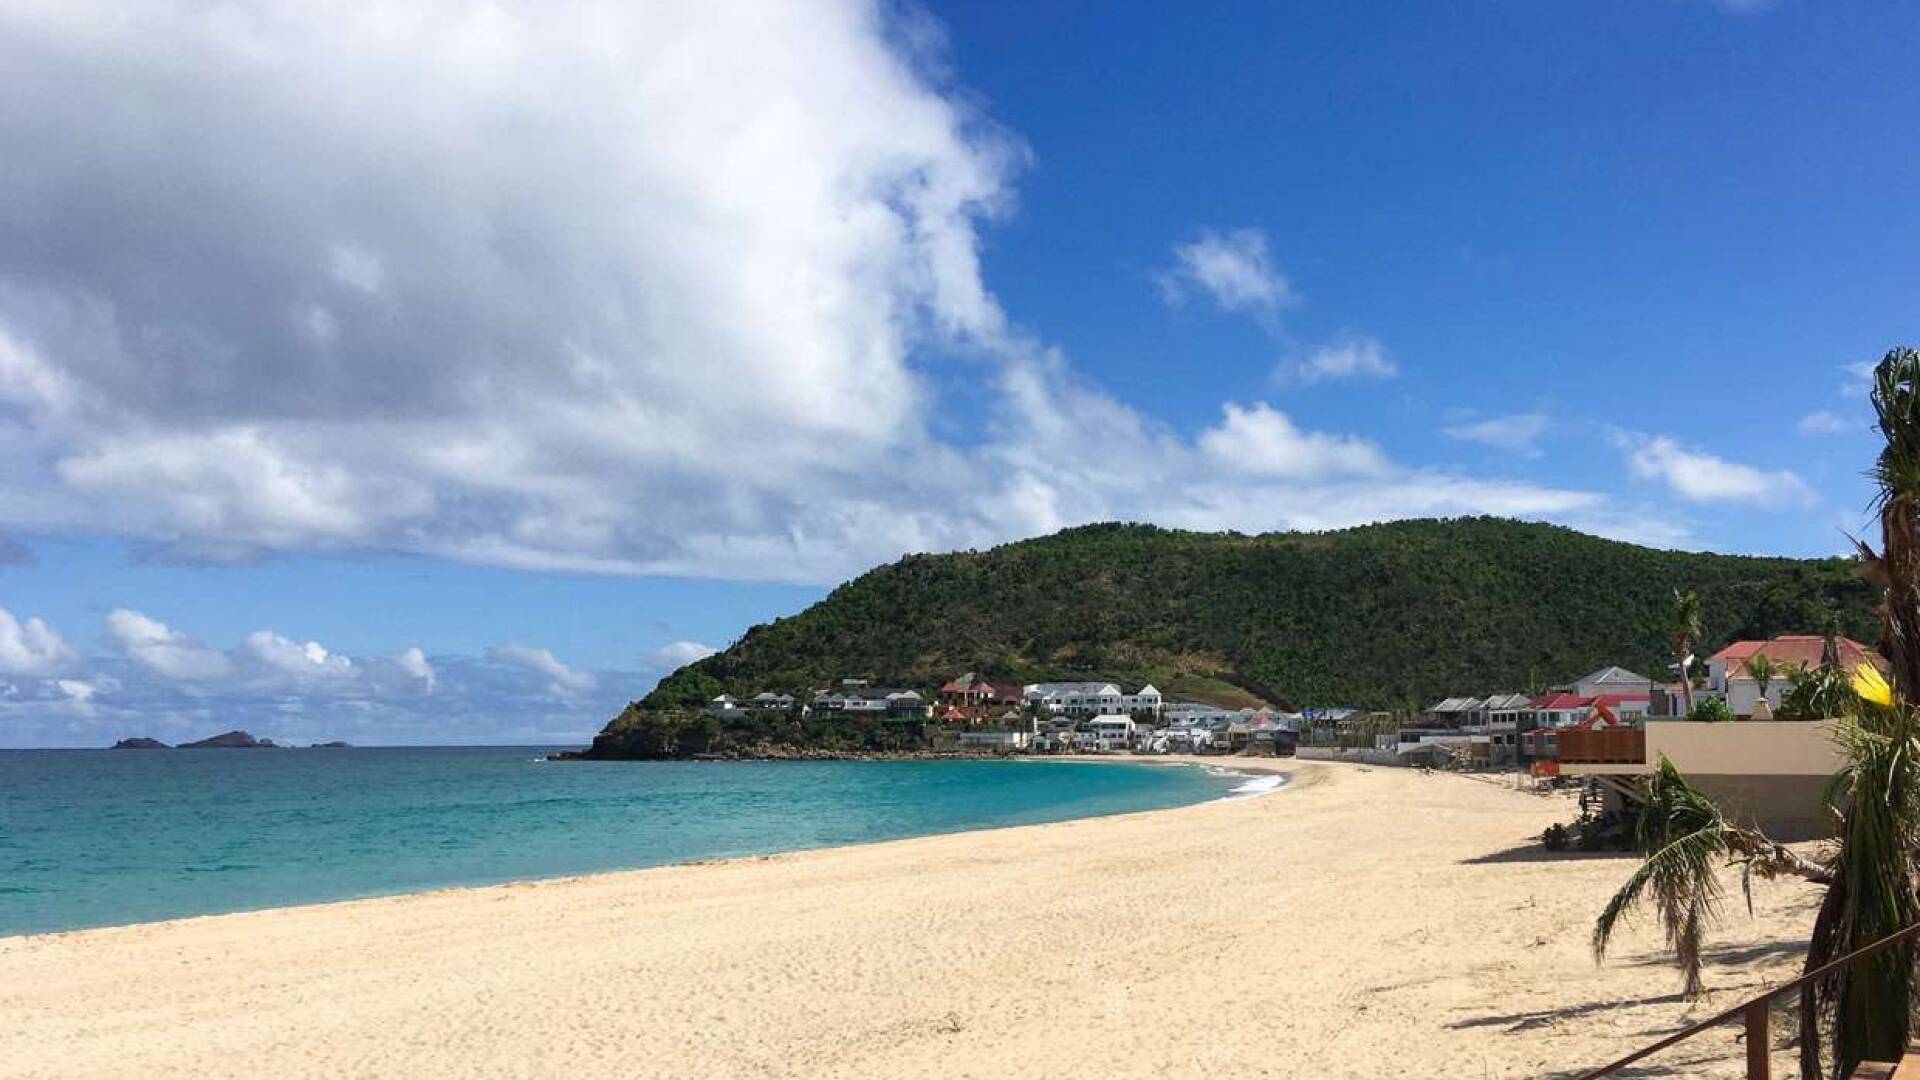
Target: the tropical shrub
(1711, 711)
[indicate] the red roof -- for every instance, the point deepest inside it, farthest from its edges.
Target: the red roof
(1600, 717)
(1795, 650)
(1561, 700)
(1565, 701)
(1736, 653)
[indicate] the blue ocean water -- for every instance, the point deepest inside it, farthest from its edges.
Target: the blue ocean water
(103, 837)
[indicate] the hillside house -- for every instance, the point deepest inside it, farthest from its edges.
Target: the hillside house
(873, 702)
(1727, 669)
(1086, 699)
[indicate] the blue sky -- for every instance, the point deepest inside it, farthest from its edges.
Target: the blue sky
(449, 375)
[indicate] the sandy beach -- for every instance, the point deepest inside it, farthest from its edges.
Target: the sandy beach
(1361, 922)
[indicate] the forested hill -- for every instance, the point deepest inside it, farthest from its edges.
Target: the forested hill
(1371, 616)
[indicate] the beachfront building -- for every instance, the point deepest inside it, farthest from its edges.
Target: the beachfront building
(1084, 699)
(1491, 727)
(1771, 773)
(1006, 741)
(1727, 669)
(1112, 732)
(1450, 712)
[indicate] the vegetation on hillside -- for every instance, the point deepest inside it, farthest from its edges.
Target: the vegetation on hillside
(1372, 616)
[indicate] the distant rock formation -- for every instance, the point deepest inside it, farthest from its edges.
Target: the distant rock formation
(335, 745)
(141, 743)
(232, 740)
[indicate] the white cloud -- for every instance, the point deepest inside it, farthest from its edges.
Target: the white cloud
(1232, 267)
(295, 660)
(678, 655)
(162, 650)
(414, 662)
(1519, 432)
(1821, 422)
(1703, 477)
(31, 647)
(529, 258)
(1857, 378)
(1353, 358)
(566, 680)
(1262, 441)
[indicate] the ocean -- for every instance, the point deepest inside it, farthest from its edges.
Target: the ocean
(105, 837)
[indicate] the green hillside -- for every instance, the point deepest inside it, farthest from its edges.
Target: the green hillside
(1371, 616)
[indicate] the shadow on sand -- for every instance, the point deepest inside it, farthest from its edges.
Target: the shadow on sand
(1534, 851)
(1685, 1059)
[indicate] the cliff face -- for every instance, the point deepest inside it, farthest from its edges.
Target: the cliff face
(1372, 616)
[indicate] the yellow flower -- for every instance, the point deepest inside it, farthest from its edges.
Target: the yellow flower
(1871, 685)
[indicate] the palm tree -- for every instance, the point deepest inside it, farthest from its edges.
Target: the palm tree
(1684, 628)
(1863, 1012)
(1687, 841)
(1762, 670)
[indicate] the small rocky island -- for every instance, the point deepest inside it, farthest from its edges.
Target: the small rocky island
(231, 740)
(335, 745)
(140, 743)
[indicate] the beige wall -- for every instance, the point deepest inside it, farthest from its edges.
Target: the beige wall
(1745, 747)
(1770, 773)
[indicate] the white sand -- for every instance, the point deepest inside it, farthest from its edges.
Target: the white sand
(1362, 923)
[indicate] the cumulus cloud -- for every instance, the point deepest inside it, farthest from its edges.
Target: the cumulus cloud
(484, 282)
(31, 647)
(566, 680)
(295, 660)
(1703, 477)
(1233, 268)
(160, 683)
(1353, 358)
(1519, 432)
(164, 651)
(1263, 441)
(414, 663)
(1821, 422)
(679, 654)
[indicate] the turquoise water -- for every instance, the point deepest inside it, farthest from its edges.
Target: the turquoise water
(102, 837)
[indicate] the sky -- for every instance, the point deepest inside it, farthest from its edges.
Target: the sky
(449, 372)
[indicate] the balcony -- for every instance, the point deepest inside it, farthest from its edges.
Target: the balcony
(1617, 747)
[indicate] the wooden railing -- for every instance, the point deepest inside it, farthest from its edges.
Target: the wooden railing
(1755, 1013)
(1621, 746)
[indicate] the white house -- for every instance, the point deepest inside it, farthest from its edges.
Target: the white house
(873, 701)
(996, 740)
(1112, 732)
(1612, 680)
(1094, 699)
(1727, 669)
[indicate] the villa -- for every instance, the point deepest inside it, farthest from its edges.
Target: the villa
(874, 702)
(1093, 699)
(973, 690)
(1727, 669)
(1112, 732)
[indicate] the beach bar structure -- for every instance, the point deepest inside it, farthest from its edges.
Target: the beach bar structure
(1770, 773)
